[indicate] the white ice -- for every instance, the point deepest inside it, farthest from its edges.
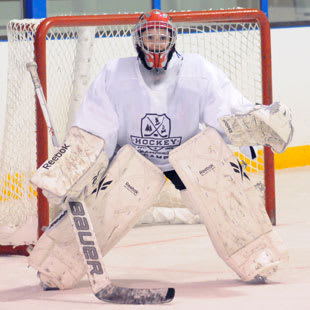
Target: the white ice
(182, 256)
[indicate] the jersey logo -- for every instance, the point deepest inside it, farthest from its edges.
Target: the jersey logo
(155, 133)
(154, 125)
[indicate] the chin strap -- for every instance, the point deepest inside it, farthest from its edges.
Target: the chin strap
(141, 55)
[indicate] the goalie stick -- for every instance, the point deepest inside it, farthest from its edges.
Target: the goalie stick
(88, 245)
(32, 68)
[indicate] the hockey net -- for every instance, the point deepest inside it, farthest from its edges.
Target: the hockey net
(70, 51)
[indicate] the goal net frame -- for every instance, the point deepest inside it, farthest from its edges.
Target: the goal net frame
(222, 16)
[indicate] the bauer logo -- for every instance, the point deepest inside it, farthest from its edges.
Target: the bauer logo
(86, 237)
(49, 163)
(155, 133)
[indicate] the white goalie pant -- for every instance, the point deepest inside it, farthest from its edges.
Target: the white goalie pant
(115, 202)
(229, 204)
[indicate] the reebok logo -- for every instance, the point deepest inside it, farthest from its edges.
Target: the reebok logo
(131, 189)
(239, 169)
(206, 170)
(102, 185)
(56, 156)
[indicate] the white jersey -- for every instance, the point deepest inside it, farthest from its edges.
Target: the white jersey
(156, 112)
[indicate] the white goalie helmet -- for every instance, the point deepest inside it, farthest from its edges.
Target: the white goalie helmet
(154, 37)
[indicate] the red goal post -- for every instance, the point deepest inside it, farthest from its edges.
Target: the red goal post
(242, 20)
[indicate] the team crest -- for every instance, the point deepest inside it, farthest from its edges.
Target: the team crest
(156, 127)
(155, 133)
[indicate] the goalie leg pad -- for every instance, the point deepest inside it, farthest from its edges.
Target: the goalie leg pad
(53, 255)
(115, 202)
(229, 204)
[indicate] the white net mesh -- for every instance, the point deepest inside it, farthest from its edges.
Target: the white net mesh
(74, 57)
(18, 150)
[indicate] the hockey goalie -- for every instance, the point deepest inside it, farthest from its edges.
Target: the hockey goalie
(139, 124)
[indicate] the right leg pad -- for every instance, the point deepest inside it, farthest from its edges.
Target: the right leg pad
(116, 202)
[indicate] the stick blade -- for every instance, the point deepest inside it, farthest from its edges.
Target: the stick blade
(137, 296)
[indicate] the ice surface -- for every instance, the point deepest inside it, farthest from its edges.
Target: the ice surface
(182, 256)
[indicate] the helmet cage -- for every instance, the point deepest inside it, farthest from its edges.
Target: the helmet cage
(155, 38)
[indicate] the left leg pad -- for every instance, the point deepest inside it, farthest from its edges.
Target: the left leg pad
(229, 204)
